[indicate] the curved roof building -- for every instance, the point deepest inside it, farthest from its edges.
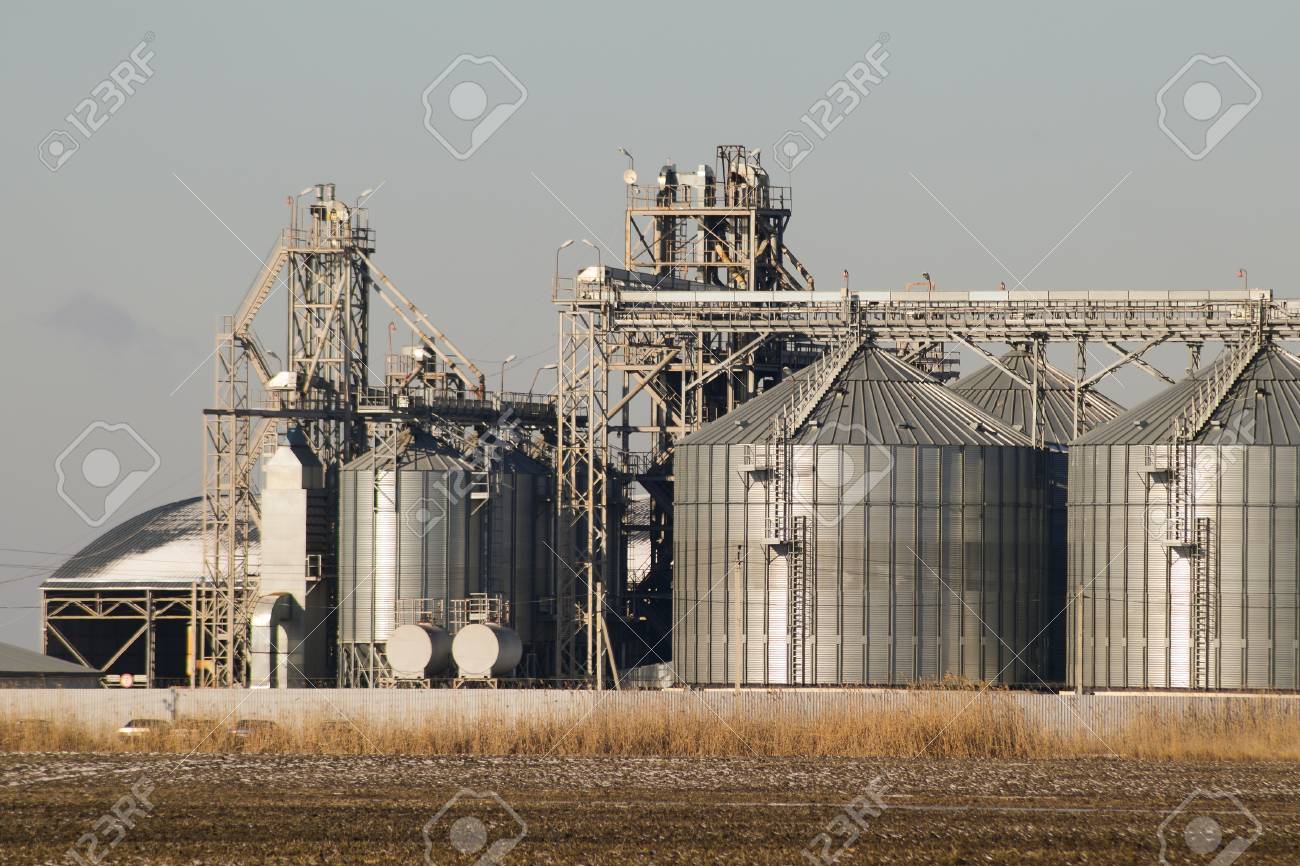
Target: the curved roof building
(123, 603)
(161, 548)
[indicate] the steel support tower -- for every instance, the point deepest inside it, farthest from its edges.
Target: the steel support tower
(323, 263)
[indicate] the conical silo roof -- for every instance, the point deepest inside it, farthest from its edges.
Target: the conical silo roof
(421, 453)
(1262, 407)
(876, 399)
(998, 394)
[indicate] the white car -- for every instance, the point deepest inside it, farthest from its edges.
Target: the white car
(144, 727)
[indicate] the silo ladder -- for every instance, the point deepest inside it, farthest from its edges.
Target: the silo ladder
(797, 575)
(1203, 601)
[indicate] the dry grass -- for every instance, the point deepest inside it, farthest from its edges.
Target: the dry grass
(990, 727)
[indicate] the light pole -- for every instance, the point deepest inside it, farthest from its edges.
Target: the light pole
(561, 248)
(505, 364)
(597, 249)
(533, 384)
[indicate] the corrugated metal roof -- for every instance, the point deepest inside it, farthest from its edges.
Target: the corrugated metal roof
(992, 390)
(427, 453)
(877, 399)
(163, 547)
(1262, 407)
(423, 453)
(16, 660)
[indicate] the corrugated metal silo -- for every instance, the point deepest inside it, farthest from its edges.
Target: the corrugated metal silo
(519, 532)
(924, 539)
(1184, 557)
(1003, 394)
(408, 534)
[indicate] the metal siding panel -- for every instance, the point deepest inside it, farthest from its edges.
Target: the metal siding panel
(929, 579)
(905, 593)
(852, 567)
(880, 532)
(386, 555)
(1258, 547)
(1286, 573)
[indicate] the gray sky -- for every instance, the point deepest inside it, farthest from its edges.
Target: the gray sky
(1020, 118)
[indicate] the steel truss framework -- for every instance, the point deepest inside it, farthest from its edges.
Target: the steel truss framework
(696, 339)
(138, 609)
(323, 261)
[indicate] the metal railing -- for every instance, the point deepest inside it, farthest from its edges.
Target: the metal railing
(688, 197)
(416, 611)
(479, 607)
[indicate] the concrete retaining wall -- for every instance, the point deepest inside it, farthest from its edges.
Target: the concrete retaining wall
(108, 709)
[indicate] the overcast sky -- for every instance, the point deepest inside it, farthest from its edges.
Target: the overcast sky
(1005, 139)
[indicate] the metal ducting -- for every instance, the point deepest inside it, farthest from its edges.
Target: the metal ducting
(1183, 551)
(924, 542)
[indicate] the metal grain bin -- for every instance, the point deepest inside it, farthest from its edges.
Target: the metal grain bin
(924, 543)
(404, 534)
(1002, 393)
(519, 534)
(1184, 559)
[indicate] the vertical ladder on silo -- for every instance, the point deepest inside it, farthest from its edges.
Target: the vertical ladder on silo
(797, 578)
(779, 495)
(1203, 624)
(1181, 460)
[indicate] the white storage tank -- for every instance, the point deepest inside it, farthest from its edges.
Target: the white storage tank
(418, 651)
(485, 650)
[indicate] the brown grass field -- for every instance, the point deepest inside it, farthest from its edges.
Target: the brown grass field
(1224, 731)
(681, 788)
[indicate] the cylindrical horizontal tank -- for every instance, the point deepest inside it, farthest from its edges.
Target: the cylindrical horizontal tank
(486, 650)
(1183, 558)
(418, 650)
(1002, 393)
(922, 554)
(404, 533)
